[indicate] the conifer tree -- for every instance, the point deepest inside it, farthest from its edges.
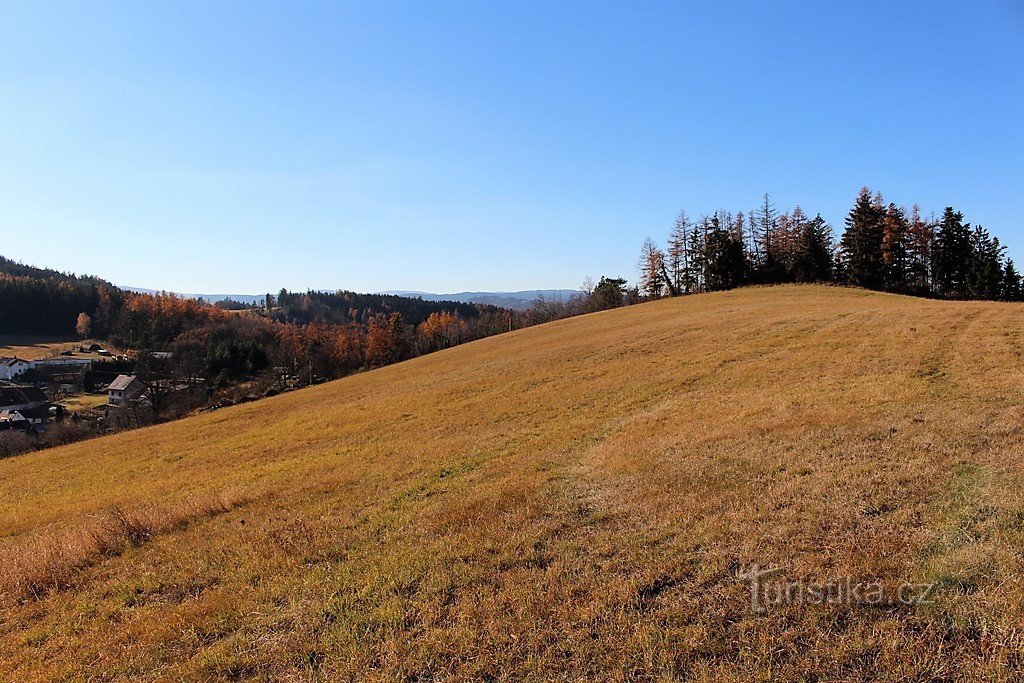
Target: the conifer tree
(609, 293)
(724, 264)
(695, 273)
(753, 247)
(678, 254)
(652, 270)
(814, 253)
(951, 254)
(767, 222)
(985, 267)
(895, 250)
(861, 244)
(921, 235)
(1010, 289)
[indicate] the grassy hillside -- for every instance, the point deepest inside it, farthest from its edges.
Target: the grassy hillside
(32, 347)
(575, 500)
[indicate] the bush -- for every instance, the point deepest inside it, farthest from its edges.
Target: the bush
(15, 441)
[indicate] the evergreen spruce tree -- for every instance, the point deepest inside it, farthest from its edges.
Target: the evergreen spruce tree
(814, 253)
(1010, 289)
(985, 266)
(861, 244)
(951, 255)
(694, 277)
(724, 262)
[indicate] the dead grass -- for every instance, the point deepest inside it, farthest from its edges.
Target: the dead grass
(84, 403)
(574, 501)
(28, 347)
(33, 567)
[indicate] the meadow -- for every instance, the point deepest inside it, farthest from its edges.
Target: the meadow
(576, 501)
(31, 347)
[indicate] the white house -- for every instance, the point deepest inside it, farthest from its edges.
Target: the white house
(11, 367)
(124, 389)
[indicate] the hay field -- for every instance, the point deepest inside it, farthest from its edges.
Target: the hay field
(574, 501)
(37, 348)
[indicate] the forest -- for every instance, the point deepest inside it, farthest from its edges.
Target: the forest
(315, 335)
(883, 247)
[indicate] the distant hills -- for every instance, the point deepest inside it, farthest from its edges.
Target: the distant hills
(210, 298)
(514, 300)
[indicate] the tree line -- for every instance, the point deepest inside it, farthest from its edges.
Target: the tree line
(309, 335)
(883, 247)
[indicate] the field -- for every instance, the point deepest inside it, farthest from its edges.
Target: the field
(579, 500)
(84, 403)
(34, 348)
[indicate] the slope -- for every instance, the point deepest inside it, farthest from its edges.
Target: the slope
(575, 500)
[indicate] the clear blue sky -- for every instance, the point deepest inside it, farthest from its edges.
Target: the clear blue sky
(446, 146)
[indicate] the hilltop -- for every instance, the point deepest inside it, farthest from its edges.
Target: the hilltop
(573, 500)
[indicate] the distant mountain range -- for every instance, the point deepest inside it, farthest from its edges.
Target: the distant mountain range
(515, 300)
(210, 298)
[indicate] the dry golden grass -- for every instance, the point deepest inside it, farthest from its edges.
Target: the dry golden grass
(47, 562)
(28, 347)
(572, 501)
(83, 403)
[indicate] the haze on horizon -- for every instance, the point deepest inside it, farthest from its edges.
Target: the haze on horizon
(458, 146)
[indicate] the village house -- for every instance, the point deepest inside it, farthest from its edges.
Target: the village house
(125, 389)
(11, 367)
(30, 402)
(12, 419)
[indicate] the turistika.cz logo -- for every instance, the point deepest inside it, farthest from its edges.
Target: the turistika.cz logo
(768, 589)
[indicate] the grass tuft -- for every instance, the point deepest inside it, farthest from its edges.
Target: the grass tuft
(37, 566)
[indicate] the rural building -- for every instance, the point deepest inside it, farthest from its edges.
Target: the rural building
(30, 402)
(11, 367)
(61, 362)
(12, 419)
(124, 389)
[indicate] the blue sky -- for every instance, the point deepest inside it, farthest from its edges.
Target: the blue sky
(448, 146)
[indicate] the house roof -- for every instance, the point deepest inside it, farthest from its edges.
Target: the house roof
(36, 413)
(11, 416)
(122, 382)
(21, 396)
(11, 360)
